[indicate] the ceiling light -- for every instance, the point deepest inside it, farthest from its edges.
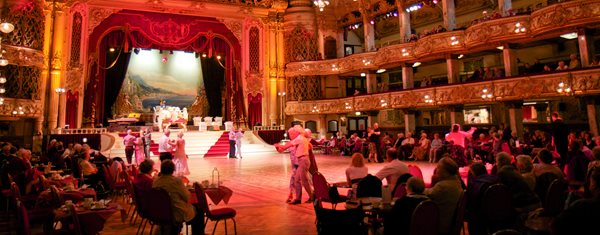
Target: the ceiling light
(111, 49)
(321, 4)
(461, 56)
(363, 74)
(500, 48)
(357, 113)
(416, 64)
(569, 36)
(380, 71)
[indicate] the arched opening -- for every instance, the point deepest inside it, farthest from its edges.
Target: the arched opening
(112, 42)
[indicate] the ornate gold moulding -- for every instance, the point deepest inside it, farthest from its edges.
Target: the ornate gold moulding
(23, 56)
(583, 82)
(30, 108)
(554, 19)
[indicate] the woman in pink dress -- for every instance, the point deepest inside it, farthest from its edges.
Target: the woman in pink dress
(139, 148)
(180, 158)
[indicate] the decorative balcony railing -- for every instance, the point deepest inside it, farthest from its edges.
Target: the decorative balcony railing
(581, 82)
(557, 18)
(80, 131)
(21, 108)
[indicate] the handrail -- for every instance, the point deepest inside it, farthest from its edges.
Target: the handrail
(268, 128)
(80, 131)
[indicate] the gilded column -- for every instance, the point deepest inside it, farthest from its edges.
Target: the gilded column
(410, 123)
(449, 14)
(371, 82)
(540, 109)
(56, 69)
(504, 6)
(453, 69)
(457, 115)
(404, 18)
(515, 116)
(586, 44)
(592, 113)
(274, 112)
(368, 26)
(510, 61)
(407, 77)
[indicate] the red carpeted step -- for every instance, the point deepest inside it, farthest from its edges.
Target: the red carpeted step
(220, 148)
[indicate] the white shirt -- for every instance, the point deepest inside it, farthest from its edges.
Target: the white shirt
(301, 144)
(163, 144)
(353, 172)
(392, 171)
(408, 141)
(457, 137)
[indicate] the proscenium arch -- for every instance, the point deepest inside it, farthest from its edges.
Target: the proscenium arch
(171, 32)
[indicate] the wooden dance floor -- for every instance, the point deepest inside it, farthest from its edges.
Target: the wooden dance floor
(260, 185)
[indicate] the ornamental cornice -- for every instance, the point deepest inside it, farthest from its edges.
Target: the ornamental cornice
(236, 27)
(564, 15)
(362, 61)
(557, 18)
(583, 82)
(496, 31)
(30, 108)
(97, 15)
(23, 56)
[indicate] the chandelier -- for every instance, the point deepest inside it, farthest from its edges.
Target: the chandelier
(321, 4)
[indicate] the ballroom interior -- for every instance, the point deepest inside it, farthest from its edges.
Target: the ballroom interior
(88, 70)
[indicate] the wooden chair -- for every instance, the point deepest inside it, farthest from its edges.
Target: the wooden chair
(497, 209)
(370, 186)
(159, 209)
(330, 221)
(415, 171)
(76, 223)
(425, 219)
(459, 214)
(322, 188)
(553, 204)
(216, 214)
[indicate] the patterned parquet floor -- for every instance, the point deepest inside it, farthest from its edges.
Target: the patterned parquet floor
(260, 185)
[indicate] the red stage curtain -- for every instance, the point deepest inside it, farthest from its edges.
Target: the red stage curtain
(71, 110)
(254, 109)
(148, 30)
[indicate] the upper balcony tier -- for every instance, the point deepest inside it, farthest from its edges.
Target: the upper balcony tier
(547, 22)
(542, 86)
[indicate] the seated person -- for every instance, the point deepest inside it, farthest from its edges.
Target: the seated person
(393, 170)
(420, 152)
(545, 165)
(407, 146)
(89, 170)
(581, 217)
(143, 181)
(399, 219)
(478, 182)
(446, 190)
(436, 144)
(357, 169)
(524, 200)
(183, 211)
(525, 167)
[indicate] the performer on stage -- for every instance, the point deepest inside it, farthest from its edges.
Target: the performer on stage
(232, 144)
(180, 158)
(147, 140)
(239, 134)
(165, 145)
(129, 142)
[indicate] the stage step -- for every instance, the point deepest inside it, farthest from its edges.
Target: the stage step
(198, 144)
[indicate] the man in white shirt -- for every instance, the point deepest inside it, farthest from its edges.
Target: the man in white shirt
(165, 145)
(393, 170)
(301, 178)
